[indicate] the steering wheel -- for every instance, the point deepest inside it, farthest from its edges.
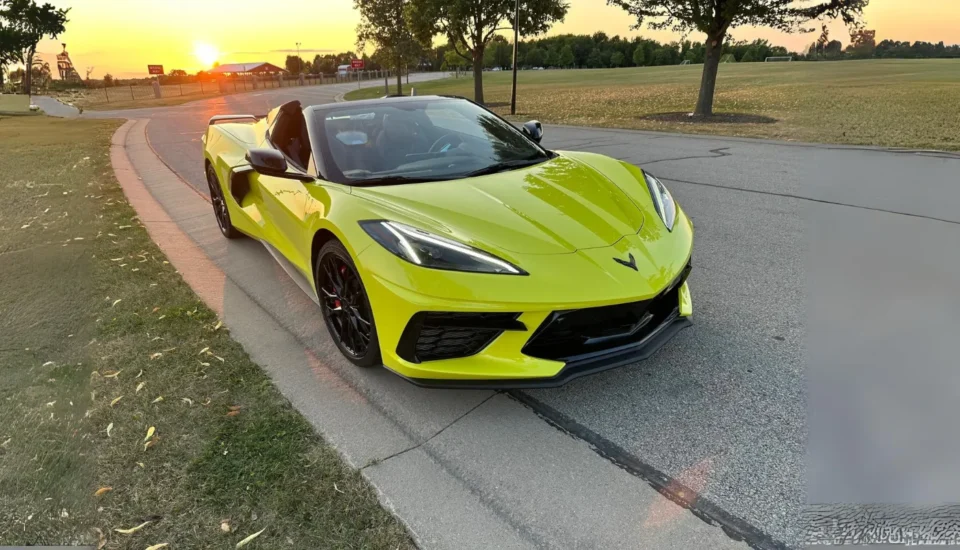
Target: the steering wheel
(444, 142)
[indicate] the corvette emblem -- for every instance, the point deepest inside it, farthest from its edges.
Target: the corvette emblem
(632, 263)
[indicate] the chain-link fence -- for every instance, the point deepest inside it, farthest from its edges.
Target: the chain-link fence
(221, 86)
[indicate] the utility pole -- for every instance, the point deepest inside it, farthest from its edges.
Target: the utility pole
(516, 37)
(299, 61)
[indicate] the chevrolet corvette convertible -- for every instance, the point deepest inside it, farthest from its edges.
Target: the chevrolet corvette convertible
(448, 245)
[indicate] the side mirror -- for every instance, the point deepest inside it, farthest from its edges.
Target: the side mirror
(271, 162)
(533, 130)
(268, 162)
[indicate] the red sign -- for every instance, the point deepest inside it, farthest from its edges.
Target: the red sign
(356, 64)
(155, 69)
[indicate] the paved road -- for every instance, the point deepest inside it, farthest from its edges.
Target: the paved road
(723, 408)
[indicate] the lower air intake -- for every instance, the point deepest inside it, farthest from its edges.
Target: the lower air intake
(431, 335)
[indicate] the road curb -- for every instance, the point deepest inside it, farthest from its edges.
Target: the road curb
(461, 469)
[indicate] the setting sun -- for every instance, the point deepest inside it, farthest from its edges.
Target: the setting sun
(206, 53)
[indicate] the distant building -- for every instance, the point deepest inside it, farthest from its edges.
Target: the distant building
(257, 68)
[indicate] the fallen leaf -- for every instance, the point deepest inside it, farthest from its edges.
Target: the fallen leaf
(225, 526)
(102, 490)
(141, 465)
(150, 432)
(113, 373)
(47, 364)
(109, 429)
(117, 301)
(115, 401)
(219, 324)
(204, 350)
(204, 364)
(233, 413)
(187, 400)
(140, 387)
(337, 489)
(132, 530)
(162, 317)
(139, 374)
(52, 403)
(234, 407)
(245, 541)
(219, 358)
(101, 540)
(149, 444)
(156, 309)
(158, 546)
(157, 400)
(156, 355)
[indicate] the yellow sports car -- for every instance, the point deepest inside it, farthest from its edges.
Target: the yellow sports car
(451, 247)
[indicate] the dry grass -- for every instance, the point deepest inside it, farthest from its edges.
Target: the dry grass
(124, 401)
(892, 103)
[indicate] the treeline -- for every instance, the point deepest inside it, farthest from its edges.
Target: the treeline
(889, 49)
(568, 51)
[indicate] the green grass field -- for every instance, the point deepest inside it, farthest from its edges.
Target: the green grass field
(125, 403)
(14, 104)
(892, 103)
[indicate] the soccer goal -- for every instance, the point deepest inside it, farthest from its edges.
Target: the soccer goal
(728, 58)
(779, 58)
(685, 62)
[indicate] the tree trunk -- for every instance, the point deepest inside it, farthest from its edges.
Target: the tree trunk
(399, 78)
(478, 75)
(29, 74)
(708, 83)
(2, 69)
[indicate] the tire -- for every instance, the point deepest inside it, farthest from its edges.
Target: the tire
(219, 202)
(345, 306)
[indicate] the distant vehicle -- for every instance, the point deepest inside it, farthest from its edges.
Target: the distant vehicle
(450, 246)
(496, 69)
(343, 70)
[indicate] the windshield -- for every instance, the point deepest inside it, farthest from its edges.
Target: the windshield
(415, 141)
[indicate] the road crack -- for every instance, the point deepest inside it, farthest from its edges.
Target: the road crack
(377, 461)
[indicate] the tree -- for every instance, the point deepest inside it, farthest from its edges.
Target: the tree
(638, 57)
(534, 57)
(594, 61)
(473, 23)
(716, 17)
(566, 57)
(25, 23)
(616, 59)
(384, 23)
(178, 72)
(293, 64)
(107, 80)
(553, 58)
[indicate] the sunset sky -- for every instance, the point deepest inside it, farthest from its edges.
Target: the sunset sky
(123, 36)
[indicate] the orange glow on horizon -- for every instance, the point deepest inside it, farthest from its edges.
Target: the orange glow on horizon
(122, 38)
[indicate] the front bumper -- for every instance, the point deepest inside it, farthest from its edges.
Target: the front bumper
(506, 357)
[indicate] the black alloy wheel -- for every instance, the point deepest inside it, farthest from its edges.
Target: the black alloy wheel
(220, 205)
(346, 308)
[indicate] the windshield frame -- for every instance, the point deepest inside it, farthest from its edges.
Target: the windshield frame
(328, 170)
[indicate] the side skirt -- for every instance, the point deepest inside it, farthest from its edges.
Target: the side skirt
(293, 272)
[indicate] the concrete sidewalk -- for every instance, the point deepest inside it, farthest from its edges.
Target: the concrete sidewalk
(462, 469)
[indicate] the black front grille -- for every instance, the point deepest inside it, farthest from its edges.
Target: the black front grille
(572, 335)
(431, 335)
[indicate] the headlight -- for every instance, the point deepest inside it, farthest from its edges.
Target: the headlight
(662, 200)
(428, 250)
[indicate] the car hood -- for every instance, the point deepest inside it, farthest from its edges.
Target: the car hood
(555, 207)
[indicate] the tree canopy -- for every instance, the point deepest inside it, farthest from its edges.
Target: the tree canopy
(472, 24)
(716, 17)
(23, 23)
(385, 24)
